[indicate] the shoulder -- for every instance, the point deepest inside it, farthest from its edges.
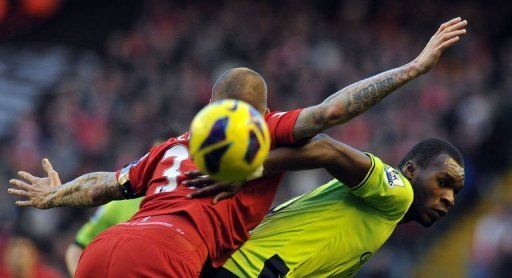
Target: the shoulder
(386, 189)
(395, 180)
(157, 151)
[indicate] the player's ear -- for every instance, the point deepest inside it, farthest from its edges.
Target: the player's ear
(409, 169)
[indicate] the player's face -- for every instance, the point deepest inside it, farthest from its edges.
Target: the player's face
(435, 189)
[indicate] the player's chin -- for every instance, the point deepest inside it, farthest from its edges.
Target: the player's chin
(426, 220)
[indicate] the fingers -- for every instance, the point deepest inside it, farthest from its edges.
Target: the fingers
(194, 174)
(197, 179)
(18, 192)
(455, 33)
(20, 184)
(52, 174)
(221, 196)
(458, 26)
(450, 35)
(26, 176)
(448, 24)
(54, 178)
(208, 191)
(448, 43)
(23, 203)
(199, 182)
(47, 166)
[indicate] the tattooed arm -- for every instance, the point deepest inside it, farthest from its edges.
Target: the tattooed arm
(351, 101)
(355, 99)
(88, 190)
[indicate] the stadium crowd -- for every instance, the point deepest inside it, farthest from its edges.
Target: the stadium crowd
(106, 110)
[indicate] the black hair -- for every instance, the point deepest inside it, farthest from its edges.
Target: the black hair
(427, 150)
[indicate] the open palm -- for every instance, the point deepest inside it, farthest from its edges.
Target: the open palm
(37, 191)
(447, 35)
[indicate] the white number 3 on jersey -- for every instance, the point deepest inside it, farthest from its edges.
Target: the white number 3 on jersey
(180, 153)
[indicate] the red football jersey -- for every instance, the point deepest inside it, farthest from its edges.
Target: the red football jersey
(224, 226)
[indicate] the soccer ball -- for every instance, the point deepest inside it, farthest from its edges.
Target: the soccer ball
(229, 140)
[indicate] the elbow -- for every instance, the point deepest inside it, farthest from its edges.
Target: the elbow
(329, 149)
(101, 189)
(336, 114)
(322, 139)
(95, 196)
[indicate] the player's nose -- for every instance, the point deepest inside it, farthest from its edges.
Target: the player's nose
(448, 199)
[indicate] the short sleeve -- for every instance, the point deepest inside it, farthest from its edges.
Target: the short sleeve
(385, 189)
(132, 176)
(281, 125)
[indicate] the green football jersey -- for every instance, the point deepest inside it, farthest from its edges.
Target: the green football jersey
(329, 232)
(106, 216)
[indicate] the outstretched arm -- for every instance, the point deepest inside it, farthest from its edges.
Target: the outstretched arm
(88, 190)
(355, 99)
(343, 162)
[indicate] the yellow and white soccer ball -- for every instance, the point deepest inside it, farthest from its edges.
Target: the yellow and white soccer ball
(229, 140)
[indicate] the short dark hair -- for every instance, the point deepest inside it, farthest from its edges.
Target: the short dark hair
(427, 150)
(236, 82)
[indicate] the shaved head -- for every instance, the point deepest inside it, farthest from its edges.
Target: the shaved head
(242, 84)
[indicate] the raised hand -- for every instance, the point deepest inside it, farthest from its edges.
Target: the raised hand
(36, 191)
(447, 35)
(208, 187)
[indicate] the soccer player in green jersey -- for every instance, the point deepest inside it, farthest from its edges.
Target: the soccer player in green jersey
(333, 230)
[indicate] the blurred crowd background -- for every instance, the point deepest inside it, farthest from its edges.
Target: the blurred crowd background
(91, 85)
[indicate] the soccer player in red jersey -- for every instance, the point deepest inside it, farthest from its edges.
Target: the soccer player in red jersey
(171, 235)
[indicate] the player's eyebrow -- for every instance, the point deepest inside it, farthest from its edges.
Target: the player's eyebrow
(452, 181)
(449, 177)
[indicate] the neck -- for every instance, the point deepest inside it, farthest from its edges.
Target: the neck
(408, 217)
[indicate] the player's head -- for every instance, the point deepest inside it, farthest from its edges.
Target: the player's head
(436, 171)
(243, 84)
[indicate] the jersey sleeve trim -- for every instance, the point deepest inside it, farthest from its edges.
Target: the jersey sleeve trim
(123, 180)
(281, 126)
(80, 244)
(293, 120)
(368, 174)
(127, 190)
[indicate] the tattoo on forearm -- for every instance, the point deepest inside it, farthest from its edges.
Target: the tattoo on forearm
(351, 101)
(363, 99)
(89, 190)
(364, 94)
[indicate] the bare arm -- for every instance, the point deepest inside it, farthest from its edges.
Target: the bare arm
(73, 254)
(355, 99)
(343, 162)
(88, 190)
